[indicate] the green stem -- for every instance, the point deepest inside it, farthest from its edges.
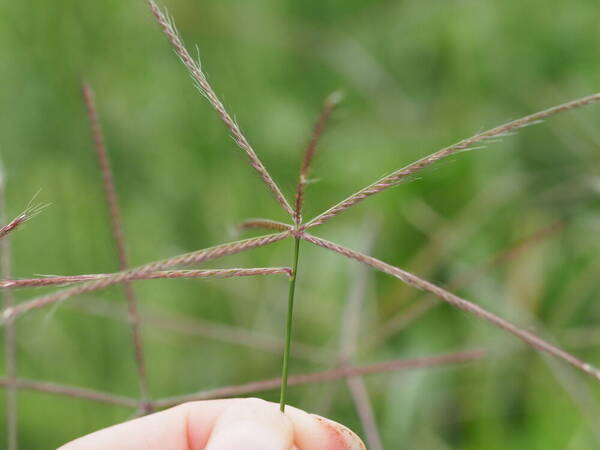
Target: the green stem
(288, 328)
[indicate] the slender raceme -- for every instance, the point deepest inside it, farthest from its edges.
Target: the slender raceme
(162, 274)
(395, 177)
(185, 259)
(422, 307)
(206, 89)
(309, 153)
(460, 303)
(114, 213)
(264, 224)
(29, 212)
(13, 225)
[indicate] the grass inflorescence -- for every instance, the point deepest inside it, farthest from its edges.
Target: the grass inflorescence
(295, 231)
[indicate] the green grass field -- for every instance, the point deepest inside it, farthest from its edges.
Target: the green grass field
(417, 76)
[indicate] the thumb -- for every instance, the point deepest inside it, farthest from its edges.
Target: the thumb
(252, 424)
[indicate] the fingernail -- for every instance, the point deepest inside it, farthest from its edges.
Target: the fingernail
(342, 438)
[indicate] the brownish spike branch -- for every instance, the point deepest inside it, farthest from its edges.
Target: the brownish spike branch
(185, 259)
(423, 306)
(208, 92)
(309, 153)
(71, 391)
(458, 302)
(116, 223)
(395, 177)
(163, 274)
(29, 212)
(265, 224)
(324, 376)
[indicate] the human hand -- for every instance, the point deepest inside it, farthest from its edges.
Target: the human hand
(233, 424)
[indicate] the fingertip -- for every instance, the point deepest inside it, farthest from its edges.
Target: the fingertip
(315, 432)
(251, 424)
(341, 437)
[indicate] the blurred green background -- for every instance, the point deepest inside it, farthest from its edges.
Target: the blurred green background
(417, 75)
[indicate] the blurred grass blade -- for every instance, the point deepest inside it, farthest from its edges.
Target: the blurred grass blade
(325, 376)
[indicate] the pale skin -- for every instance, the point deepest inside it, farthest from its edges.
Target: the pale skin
(232, 424)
